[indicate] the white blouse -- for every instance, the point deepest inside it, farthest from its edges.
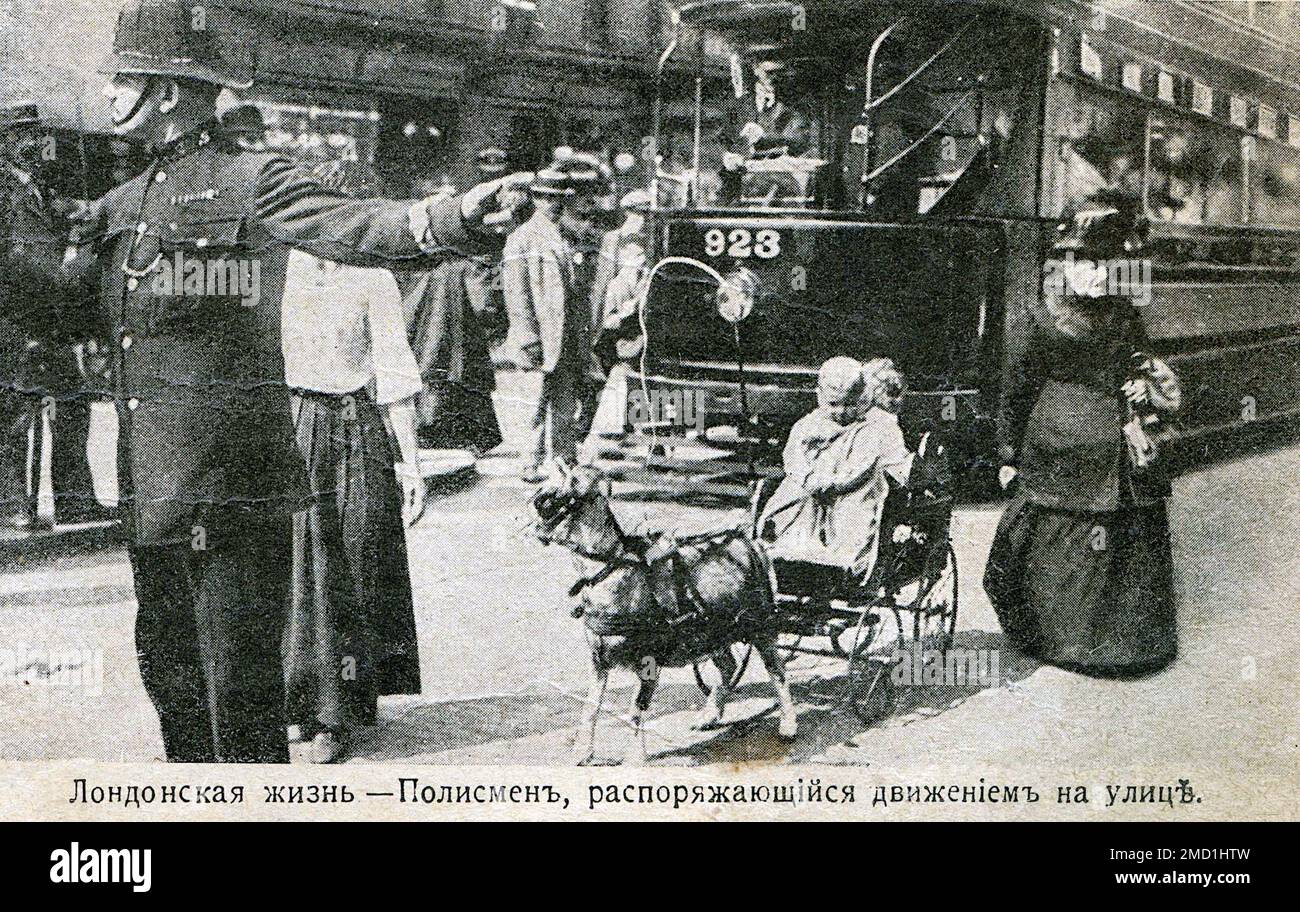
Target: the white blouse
(342, 329)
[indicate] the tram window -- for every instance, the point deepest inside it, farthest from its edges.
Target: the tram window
(778, 142)
(1101, 140)
(946, 138)
(1275, 185)
(1197, 174)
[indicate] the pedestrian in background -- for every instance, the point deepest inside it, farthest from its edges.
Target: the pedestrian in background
(610, 261)
(586, 216)
(548, 322)
(47, 322)
(483, 271)
(618, 343)
(449, 308)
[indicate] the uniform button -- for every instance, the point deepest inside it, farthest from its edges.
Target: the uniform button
(132, 283)
(161, 177)
(127, 342)
(133, 404)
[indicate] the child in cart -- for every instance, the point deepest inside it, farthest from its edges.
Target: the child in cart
(838, 459)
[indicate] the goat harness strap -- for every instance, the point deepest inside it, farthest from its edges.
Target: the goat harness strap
(600, 575)
(675, 599)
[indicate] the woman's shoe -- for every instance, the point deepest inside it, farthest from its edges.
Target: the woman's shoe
(327, 747)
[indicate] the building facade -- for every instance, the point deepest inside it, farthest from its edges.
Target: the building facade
(448, 78)
(413, 88)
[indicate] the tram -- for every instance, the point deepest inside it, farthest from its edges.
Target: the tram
(886, 178)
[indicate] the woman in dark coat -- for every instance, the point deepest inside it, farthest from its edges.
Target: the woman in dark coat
(1080, 572)
(444, 307)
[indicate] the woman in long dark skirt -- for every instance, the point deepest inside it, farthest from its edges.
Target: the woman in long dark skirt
(351, 634)
(455, 405)
(1080, 572)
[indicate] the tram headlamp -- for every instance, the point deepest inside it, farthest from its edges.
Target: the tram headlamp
(736, 295)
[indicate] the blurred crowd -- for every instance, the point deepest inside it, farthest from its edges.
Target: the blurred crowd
(51, 364)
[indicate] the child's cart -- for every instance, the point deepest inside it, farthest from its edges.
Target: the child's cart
(909, 603)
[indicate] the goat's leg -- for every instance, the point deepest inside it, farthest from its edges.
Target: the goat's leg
(591, 713)
(711, 716)
(649, 679)
(775, 666)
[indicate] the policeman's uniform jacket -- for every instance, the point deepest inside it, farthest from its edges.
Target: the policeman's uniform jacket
(206, 437)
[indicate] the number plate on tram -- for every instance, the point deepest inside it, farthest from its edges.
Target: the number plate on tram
(742, 243)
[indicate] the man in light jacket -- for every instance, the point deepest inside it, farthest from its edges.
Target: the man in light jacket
(549, 326)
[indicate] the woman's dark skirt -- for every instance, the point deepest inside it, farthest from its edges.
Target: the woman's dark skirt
(455, 408)
(351, 635)
(1086, 591)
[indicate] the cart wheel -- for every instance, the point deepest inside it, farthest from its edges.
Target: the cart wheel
(741, 664)
(934, 612)
(870, 688)
(855, 638)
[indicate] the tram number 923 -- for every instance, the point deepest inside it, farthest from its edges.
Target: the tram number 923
(741, 243)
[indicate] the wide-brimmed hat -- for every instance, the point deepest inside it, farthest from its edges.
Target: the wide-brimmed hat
(584, 172)
(550, 182)
(168, 38)
(1107, 230)
(22, 114)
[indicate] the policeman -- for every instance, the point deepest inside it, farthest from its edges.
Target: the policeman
(191, 258)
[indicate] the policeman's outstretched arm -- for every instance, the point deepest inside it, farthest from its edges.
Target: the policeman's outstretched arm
(298, 211)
